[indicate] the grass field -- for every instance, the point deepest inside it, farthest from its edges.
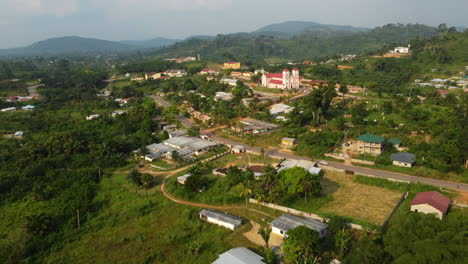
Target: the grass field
(343, 196)
(271, 139)
(131, 229)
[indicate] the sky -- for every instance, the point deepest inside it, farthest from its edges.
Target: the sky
(23, 22)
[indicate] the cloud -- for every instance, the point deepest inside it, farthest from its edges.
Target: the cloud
(22, 8)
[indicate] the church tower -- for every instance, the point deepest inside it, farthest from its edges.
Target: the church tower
(286, 79)
(295, 79)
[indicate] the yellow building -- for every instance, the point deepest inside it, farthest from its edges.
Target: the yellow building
(152, 75)
(288, 142)
(232, 65)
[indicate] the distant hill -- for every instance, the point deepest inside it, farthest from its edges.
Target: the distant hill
(325, 41)
(68, 45)
(151, 43)
(296, 27)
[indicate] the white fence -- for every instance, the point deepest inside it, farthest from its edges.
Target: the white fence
(303, 214)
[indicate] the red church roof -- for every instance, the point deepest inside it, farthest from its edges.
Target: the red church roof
(274, 75)
(276, 82)
(285, 70)
(434, 199)
(295, 69)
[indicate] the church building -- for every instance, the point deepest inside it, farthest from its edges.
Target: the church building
(284, 80)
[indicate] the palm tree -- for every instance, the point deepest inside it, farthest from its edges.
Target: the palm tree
(260, 197)
(147, 181)
(308, 187)
(265, 232)
(246, 192)
(274, 196)
(269, 178)
(135, 177)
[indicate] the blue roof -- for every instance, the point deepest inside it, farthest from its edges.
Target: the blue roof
(403, 157)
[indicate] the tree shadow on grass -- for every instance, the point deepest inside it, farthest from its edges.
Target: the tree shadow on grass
(329, 186)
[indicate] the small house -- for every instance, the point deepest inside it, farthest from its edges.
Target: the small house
(232, 65)
(240, 255)
(280, 109)
(220, 172)
(258, 171)
(28, 107)
(18, 134)
(221, 219)
(152, 75)
(92, 117)
(182, 179)
(403, 159)
(430, 203)
(288, 142)
(286, 222)
(238, 149)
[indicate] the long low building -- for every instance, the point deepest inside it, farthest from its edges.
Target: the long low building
(221, 219)
(305, 164)
(255, 126)
(286, 222)
(184, 146)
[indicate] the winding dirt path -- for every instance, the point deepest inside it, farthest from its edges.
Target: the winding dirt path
(194, 204)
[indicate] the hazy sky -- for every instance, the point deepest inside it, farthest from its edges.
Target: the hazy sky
(23, 22)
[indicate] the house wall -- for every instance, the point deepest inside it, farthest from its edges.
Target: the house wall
(402, 164)
(217, 222)
(277, 231)
(371, 148)
(426, 209)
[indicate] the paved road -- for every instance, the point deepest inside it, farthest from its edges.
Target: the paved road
(355, 169)
(163, 103)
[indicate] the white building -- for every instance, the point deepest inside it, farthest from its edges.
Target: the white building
(223, 96)
(231, 82)
(182, 179)
(239, 255)
(18, 134)
(286, 222)
(284, 80)
(401, 50)
(280, 109)
(309, 166)
(92, 117)
(9, 109)
(221, 219)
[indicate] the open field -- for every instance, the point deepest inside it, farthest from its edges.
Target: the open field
(265, 140)
(347, 198)
(131, 229)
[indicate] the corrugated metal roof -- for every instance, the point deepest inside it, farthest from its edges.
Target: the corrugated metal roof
(287, 222)
(239, 255)
(234, 220)
(403, 157)
(371, 138)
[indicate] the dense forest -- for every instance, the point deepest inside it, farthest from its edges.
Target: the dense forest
(252, 48)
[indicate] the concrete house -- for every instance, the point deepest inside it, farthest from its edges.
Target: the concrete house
(221, 219)
(403, 159)
(369, 143)
(280, 109)
(250, 125)
(288, 142)
(182, 179)
(305, 164)
(239, 255)
(286, 222)
(430, 203)
(238, 149)
(152, 75)
(18, 134)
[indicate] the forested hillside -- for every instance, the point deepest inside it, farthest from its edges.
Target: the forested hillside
(255, 48)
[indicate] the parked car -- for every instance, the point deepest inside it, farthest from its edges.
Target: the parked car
(323, 162)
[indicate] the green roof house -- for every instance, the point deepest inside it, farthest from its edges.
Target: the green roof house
(395, 142)
(369, 143)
